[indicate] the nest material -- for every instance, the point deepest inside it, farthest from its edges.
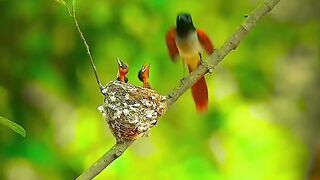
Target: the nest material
(130, 110)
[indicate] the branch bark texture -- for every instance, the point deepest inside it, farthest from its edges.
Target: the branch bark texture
(207, 67)
(116, 151)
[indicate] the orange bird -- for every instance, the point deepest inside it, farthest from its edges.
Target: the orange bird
(123, 71)
(143, 76)
(188, 42)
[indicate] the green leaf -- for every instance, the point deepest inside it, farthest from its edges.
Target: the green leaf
(15, 127)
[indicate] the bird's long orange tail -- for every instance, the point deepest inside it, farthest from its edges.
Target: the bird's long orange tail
(200, 93)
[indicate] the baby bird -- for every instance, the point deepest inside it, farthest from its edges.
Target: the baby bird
(123, 71)
(143, 76)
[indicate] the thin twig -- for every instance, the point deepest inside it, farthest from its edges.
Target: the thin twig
(213, 60)
(72, 13)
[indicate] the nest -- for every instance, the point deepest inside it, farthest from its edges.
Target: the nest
(130, 110)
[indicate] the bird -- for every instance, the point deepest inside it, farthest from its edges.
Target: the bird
(143, 76)
(189, 42)
(123, 71)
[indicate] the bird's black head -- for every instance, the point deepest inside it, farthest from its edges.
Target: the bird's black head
(184, 24)
(140, 75)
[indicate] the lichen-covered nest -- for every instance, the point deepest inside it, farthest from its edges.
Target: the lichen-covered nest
(130, 110)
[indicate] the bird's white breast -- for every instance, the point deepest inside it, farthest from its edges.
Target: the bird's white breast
(189, 47)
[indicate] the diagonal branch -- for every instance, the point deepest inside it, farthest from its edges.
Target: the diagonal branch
(116, 151)
(207, 67)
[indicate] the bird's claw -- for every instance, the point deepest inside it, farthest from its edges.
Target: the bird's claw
(207, 66)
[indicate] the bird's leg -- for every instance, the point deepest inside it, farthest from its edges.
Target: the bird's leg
(200, 55)
(205, 64)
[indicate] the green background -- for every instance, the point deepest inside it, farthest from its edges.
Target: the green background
(263, 118)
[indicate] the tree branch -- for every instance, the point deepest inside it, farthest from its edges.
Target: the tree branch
(118, 149)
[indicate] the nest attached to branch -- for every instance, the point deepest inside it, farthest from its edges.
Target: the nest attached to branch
(131, 110)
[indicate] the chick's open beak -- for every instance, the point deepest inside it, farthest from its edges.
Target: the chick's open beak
(145, 68)
(120, 63)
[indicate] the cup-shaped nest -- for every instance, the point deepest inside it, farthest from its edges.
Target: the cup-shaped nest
(131, 110)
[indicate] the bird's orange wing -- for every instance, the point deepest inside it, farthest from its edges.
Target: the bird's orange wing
(205, 41)
(171, 44)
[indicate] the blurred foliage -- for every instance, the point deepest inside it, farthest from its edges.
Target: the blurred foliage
(263, 120)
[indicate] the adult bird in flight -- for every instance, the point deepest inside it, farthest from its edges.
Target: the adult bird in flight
(189, 42)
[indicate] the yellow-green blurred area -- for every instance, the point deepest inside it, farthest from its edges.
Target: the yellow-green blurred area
(264, 98)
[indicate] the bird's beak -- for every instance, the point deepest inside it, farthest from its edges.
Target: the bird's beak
(120, 63)
(145, 68)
